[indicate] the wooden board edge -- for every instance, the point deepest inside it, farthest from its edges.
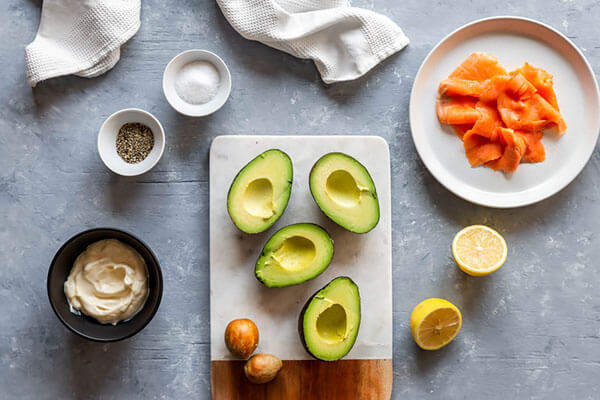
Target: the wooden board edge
(307, 379)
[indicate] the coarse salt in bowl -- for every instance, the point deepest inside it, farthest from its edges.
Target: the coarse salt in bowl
(192, 71)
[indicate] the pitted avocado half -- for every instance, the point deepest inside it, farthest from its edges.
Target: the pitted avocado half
(260, 192)
(328, 323)
(344, 190)
(294, 254)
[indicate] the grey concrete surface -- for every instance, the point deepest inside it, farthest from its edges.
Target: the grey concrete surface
(532, 330)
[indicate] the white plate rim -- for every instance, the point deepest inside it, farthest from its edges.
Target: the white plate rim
(481, 197)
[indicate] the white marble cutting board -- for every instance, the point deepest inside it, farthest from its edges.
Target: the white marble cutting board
(367, 259)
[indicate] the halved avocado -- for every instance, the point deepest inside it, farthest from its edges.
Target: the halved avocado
(343, 189)
(260, 191)
(294, 254)
(329, 322)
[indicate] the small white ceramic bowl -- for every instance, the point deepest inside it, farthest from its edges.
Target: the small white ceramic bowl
(196, 110)
(107, 141)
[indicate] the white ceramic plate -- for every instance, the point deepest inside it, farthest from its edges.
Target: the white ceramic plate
(513, 40)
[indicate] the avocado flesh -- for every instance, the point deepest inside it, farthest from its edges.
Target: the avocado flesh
(329, 321)
(260, 191)
(293, 255)
(344, 190)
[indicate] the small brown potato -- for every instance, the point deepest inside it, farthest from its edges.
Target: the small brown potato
(241, 337)
(262, 368)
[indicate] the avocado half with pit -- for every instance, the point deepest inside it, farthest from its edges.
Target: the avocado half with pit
(260, 192)
(329, 322)
(294, 254)
(344, 190)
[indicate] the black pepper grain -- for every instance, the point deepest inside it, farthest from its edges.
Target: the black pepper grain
(134, 142)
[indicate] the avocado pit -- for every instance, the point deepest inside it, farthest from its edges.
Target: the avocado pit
(258, 198)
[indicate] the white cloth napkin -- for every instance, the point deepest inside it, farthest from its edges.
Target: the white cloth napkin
(81, 37)
(344, 42)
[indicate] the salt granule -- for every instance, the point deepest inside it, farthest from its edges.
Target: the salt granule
(197, 82)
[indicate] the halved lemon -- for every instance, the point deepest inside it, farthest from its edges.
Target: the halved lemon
(434, 323)
(479, 250)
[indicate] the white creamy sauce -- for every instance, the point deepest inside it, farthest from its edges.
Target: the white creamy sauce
(108, 281)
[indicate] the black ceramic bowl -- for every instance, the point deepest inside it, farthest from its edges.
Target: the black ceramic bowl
(88, 327)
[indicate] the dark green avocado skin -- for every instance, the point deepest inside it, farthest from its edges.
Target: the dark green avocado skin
(301, 326)
(301, 319)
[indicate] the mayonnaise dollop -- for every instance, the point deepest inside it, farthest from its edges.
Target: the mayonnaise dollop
(108, 281)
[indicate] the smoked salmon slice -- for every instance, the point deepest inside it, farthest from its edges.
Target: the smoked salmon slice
(522, 107)
(481, 141)
(499, 115)
(460, 87)
(493, 87)
(542, 81)
(457, 111)
(514, 150)
(478, 67)
(489, 120)
(460, 130)
(535, 151)
(480, 150)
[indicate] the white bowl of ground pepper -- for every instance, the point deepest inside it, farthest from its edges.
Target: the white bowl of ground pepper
(196, 83)
(131, 142)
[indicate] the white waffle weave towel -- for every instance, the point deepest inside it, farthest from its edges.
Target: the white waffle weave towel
(344, 42)
(81, 37)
